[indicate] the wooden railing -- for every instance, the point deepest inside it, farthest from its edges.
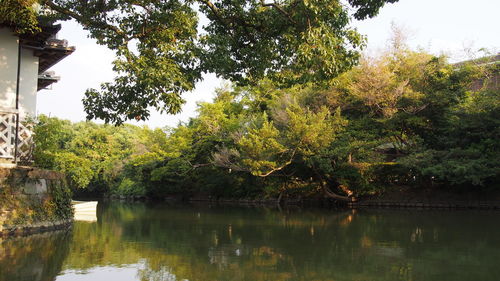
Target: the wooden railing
(14, 148)
(8, 133)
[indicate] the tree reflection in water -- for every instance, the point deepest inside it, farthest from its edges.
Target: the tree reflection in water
(235, 243)
(38, 257)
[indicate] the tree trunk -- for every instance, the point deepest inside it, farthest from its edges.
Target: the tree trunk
(330, 194)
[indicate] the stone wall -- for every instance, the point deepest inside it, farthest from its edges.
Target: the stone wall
(33, 200)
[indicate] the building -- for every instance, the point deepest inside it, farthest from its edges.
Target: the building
(24, 61)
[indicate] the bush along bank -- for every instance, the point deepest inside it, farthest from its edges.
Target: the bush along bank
(33, 200)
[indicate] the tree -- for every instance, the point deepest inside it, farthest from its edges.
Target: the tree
(91, 155)
(459, 139)
(20, 14)
(161, 51)
(261, 140)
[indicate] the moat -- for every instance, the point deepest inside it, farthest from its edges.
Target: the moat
(145, 241)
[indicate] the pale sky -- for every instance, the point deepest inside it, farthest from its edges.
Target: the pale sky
(438, 26)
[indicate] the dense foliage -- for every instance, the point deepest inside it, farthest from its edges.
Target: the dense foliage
(404, 118)
(163, 47)
(20, 14)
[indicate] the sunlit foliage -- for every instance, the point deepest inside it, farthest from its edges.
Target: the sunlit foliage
(404, 118)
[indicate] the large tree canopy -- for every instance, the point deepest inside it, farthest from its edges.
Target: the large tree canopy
(162, 50)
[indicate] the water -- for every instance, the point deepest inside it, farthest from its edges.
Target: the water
(134, 241)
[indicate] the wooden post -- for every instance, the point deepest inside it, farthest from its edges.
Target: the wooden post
(17, 98)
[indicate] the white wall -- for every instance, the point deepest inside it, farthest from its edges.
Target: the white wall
(28, 84)
(8, 75)
(8, 68)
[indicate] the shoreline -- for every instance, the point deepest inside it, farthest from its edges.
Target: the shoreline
(479, 205)
(35, 228)
(396, 200)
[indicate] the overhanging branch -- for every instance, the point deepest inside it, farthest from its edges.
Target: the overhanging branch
(83, 21)
(279, 9)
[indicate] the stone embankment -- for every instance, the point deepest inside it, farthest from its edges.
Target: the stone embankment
(33, 200)
(400, 197)
(431, 198)
(427, 205)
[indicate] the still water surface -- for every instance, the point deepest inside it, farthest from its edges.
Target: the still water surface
(135, 241)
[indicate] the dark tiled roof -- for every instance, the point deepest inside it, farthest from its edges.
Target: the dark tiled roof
(45, 45)
(46, 79)
(38, 39)
(47, 48)
(50, 55)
